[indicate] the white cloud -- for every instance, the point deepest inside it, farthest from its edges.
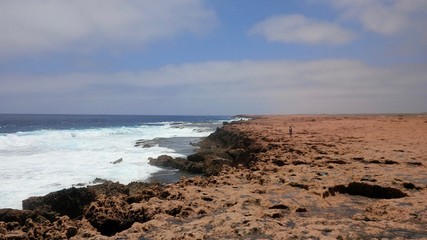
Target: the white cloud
(300, 29)
(34, 26)
(230, 87)
(385, 16)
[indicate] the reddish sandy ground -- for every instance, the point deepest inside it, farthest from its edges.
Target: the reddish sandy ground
(294, 194)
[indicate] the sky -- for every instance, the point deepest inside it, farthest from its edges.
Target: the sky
(213, 57)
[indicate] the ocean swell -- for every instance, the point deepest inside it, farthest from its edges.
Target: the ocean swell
(38, 162)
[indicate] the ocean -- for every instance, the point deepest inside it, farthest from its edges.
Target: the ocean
(44, 153)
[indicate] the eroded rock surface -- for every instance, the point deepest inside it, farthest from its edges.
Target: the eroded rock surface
(338, 177)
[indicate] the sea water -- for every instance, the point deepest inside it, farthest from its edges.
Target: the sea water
(44, 153)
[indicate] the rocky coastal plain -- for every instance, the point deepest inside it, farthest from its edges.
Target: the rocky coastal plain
(337, 177)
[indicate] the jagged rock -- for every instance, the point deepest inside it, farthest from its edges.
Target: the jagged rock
(146, 190)
(109, 188)
(117, 161)
(73, 201)
(161, 161)
(146, 143)
(69, 202)
(99, 180)
(61, 228)
(180, 163)
(112, 215)
(236, 153)
(214, 166)
(196, 158)
(19, 216)
(223, 147)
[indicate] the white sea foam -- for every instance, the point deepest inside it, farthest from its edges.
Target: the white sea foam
(36, 163)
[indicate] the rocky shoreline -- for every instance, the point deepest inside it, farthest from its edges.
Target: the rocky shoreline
(337, 177)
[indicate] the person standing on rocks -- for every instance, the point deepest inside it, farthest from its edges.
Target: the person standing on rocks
(290, 131)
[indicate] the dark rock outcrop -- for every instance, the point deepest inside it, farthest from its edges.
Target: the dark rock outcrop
(162, 161)
(101, 209)
(225, 146)
(70, 202)
(73, 201)
(19, 216)
(178, 163)
(112, 215)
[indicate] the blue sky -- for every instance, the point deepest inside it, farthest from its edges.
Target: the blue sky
(213, 56)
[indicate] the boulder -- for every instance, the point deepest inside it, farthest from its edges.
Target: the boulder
(117, 161)
(161, 161)
(196, 157)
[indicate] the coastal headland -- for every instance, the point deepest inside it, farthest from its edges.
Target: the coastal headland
(336, 177)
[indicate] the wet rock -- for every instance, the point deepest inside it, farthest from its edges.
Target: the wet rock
(196, 158)
(99, 180)
(183, 164)
(161, 161)
(146, 143)
(117, 161)
(197, 168)
(69, 202)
